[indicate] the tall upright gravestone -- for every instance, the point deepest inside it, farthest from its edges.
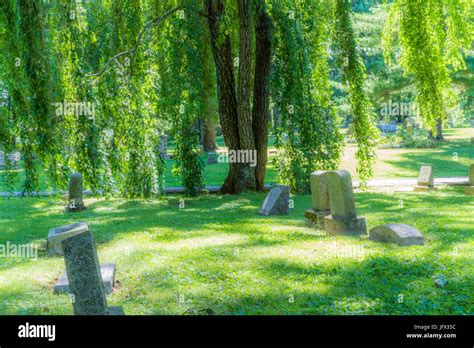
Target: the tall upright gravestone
(469, 189)
(83, 272)
(343, 218)
(75, 194)
(314, 217)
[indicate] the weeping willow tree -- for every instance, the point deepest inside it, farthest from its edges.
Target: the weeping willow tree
(433, 36)
(149, 66)
(28, 85)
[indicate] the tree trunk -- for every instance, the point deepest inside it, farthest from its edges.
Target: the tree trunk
(243, 88)
(261, 94)
(226, 94)
(209, 138)
(439, 129)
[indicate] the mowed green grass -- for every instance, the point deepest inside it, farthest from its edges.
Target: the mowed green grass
(216, 253)
(448, 160)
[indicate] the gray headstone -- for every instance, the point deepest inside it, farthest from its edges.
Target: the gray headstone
(277, 201)
(107, 272)
(75, 195)
(343, 219)
(211, 158)
(425, 178)
(58, 234)
(83, 272)
(319, 191)
(400, 234)
(341, 196)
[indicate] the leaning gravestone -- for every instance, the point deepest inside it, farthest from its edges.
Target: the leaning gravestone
(400, 234)
(211, 158)
(343, 218)
(277, 201)
(83, 272)
(425, 180)
(469, 189)
(75, 195)
(314, 217)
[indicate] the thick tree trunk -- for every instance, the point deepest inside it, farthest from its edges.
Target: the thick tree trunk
(209, 137)
(228, 112)
(439, 130)
(244, 89)
(261, 96)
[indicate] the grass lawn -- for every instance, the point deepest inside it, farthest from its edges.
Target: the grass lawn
(450, 159)
(217, 253)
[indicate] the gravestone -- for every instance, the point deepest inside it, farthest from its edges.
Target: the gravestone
(211, 158)
(13, 157)
(469, 189)
(107, 272)
(425, 181)
(58, 234)
(277, 201)
(400, 234)
(343, 218)
(163, 147)
(83, 273)
(75, 194)
(314, 217)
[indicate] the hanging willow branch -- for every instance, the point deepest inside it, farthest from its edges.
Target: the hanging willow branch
(148, 26)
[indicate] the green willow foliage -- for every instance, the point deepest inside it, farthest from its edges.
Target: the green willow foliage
(159, 82)
(353, 72)
(181, 89)
(28, 84)
(308, 137)
(432, 35)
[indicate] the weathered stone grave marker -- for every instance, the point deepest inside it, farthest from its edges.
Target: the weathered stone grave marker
(277, 201)
(314, 217)
(55, 245)
(211, 158)
(75, 194)
(425, 180)
(469, 189)
(400, 234)
(343, 218)
(83, 272)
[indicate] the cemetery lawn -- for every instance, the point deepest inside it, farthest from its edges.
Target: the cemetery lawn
(217, 255)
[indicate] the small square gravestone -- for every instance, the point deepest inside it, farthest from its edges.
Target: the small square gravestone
(469, 189)
(400, 234)
(277, 201)
(211, 158)
(425, 181)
